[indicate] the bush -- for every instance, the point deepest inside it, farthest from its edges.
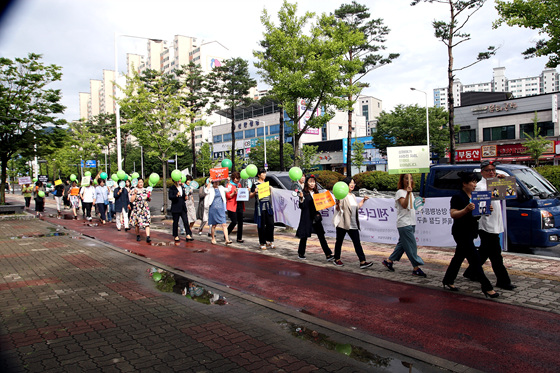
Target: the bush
(328, 178)
(551, 173)
(381, 181)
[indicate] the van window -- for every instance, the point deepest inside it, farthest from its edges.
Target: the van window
(537, 185)
(448, 179)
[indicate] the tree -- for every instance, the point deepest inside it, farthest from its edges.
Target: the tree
(256, 156)
(27, 107)
(306, 71)
(234, 84)
(536, 144)
(198, 98)
(451, 34)
(205, 160)
(541, 15)
(153, 108)
(357, 18)
(308, 157)
(357, 154)
(406, 125)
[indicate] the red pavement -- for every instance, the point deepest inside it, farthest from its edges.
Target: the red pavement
(479, 333)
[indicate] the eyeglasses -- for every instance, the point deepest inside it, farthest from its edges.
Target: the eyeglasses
(488, 163)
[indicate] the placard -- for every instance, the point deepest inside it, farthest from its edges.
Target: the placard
(408, 159)
(86, 180)
(219, 173)
(264, 190)
(482, 201)
(24, 180)
(242, 194)
(57, 182)
(323, 200)
(502, 188)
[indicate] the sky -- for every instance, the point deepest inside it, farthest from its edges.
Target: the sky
(79, 36)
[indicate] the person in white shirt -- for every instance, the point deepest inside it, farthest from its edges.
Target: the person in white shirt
(489, 229)
(406, 225)
(88, 199)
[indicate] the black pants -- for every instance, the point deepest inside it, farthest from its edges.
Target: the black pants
(87, 208)
(355, 237)
(101, 209)
(236, 218)
(27, 201)
(466, 250)
(490, 248)
(322, 241)
(266, 230)
(182, 215)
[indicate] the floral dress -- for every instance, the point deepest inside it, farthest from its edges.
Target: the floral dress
(140, 214)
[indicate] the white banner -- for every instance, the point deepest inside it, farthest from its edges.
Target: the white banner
(378, 219)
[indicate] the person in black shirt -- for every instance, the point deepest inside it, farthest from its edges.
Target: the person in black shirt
(464, 231)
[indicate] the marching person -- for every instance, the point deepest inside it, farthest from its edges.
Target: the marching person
(346, 222)
(464, 231)
(122, 201)
(74, 195)
(39, 201)
(27, 191)
(235, 208)
(189, 202)
(310, 220)
(177, 196)
(406, 226)
(140, 215)
(88, 199)
(201, 211)
(58, 196)
(101, 200)
(489, 229)
(216, 202)
(264, 214)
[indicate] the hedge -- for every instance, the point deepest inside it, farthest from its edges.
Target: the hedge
(551, 173)
(328, 178)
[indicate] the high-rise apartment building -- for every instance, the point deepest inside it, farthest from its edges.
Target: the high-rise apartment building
(546, 82)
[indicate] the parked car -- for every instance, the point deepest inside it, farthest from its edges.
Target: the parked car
(533, 218)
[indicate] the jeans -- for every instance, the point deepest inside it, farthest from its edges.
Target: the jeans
(101, 210)
(407, 244)
(355, 237)
(111, 211)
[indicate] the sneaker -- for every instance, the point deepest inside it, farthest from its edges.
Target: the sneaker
(389, 265)
(263, 247)
(148, 239)
(199, 233)
(338, 262)
(418, 272)
(365, 265)
(137, 238)
(270, 245)
(330, 258)
(302, 257)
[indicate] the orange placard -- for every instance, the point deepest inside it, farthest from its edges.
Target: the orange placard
(323, 200)
(219, 173)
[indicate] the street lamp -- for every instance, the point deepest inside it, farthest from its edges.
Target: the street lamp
(117, 106)
(264, 136)
(427, 117)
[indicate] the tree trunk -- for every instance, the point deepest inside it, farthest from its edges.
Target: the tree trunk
(4, 165)
(194, 171)
(164, 166)
(281, 140)
(232, 152)
(450, 100)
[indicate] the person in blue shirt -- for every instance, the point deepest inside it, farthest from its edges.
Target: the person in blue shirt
(101, 200)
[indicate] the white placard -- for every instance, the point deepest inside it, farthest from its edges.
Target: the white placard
(408, 159)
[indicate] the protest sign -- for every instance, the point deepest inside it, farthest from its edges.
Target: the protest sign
(482, 201)
(86, 180)
(24, 180)
(323, 200)
(502, 188)
(219, 173)
(57, 182)
(408, 159)
(264, 190)
(242, 194)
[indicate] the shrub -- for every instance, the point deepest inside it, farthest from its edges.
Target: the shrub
(551, 173)
(381, 181)
(328, 178)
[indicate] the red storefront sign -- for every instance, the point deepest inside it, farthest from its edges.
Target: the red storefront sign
(468, 155)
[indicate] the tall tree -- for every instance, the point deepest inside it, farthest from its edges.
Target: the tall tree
(306, 69)
(198, 98)
(308, 157)
(541, 15)
(234, 85)
(536, 144)
(27, 107)
(358, 154)
(256, 156)
(451, 33)
(154, 111)
(205, 160)
(357, 18)
(406, 125)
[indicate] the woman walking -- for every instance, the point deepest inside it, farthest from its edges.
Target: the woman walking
(88, 199)
(406, 225)
(140, 216)
(27, 191)
(75, 199)
(235, 208)
(189, 202)
(464, 231)
(216, 202)
(264, 215)
(101, 200)
(122, 202)
(310, 220)
(58, 197)
(201, 212)
(39, 201)
(346, 222)
(177, 195)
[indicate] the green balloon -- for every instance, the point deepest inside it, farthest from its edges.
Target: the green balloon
(345, 349)
(244, 175)
(126, 177)
(156, 276)
(115, 177)
(340, 190)
(49, 185)
(35, 179)
(103, 175)
(72, 177)
(252, 170)
(87, 173)
(135, 175)
(184, 178)
(154, 178)
(41, 194)
(121, 174)
(227, 163)
(295, 173)
(95, 182)
(176, 175)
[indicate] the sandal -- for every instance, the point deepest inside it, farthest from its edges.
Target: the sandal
(229, 242)
(213, 242)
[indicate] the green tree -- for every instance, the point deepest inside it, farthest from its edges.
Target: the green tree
(357, 18)
(406, 125)
(358, 154)
(153, 108)
(451, 33)
(234, 83)
(306, 67)
(535, 144)
(198, 97)
(541, 15)
(256, 156)
(27, 107)
(205, 159)
(308, 157)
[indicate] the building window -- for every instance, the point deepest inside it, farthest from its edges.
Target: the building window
(239, 135)
(545, 129)
(249, 134)
(227, 137)
(498, 133)
(466, 136)
(260, 132)
(274, 129)
(340, 128)
(365, 111)
(217, 138)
